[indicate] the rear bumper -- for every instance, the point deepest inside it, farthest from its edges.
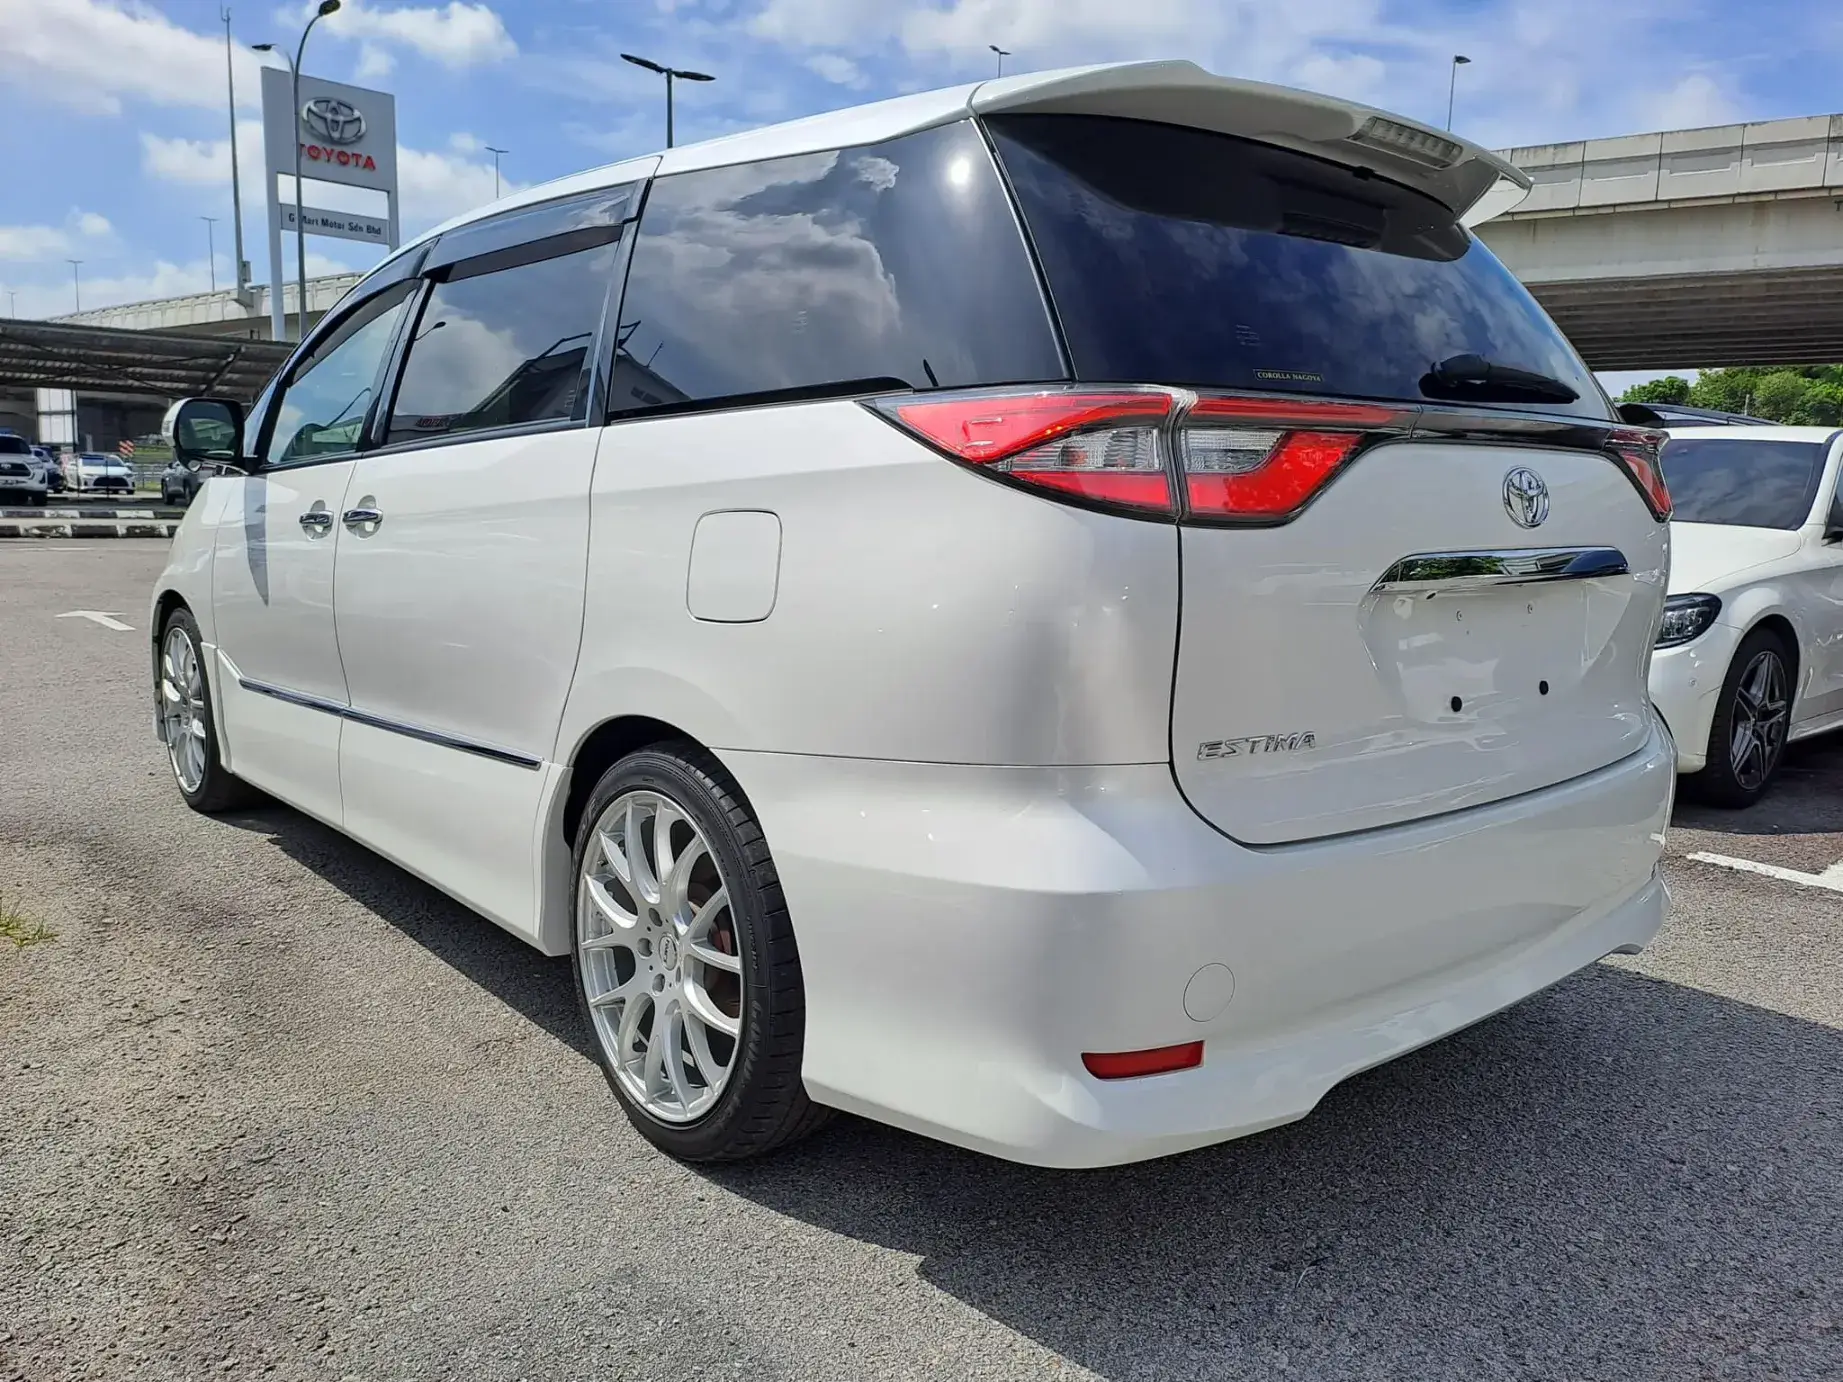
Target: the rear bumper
(966, 933)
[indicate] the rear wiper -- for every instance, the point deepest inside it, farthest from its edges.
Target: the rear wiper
(1478, 379)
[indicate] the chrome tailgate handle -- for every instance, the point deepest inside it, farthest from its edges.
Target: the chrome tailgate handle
(1427, 571)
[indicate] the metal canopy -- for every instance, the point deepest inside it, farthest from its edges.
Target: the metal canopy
(160, 364)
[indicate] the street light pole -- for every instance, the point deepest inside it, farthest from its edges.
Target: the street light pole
(236, 183)
(668, 73)
(1452, 85)
(1003, 53)
(76, 282)
(211, 249)
(495, 153)
(325, 8)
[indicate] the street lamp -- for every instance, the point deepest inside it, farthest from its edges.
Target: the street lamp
(211, 249)
(1452, 85)
(668, 73)
(325, 8)
(495, 153)
(76, 282)
(1003, 53)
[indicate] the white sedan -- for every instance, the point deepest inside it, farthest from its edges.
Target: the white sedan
(1750, 655)
(94, 472)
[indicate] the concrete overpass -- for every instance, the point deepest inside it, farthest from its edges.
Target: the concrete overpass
(218, 313)
(1719, 246)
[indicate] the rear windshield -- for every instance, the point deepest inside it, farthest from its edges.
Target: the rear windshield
(1181, 256)
(1742, 482)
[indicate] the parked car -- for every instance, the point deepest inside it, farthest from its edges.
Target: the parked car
(53, 468)
(1080, 735)
(1750, 655)
(94, 472)
(22, 479)
(179, 482)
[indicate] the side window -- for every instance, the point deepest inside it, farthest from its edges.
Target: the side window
(504, 347)
(324, 402)
(899, 261)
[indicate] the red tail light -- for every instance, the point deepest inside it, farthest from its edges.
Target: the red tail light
(1637, 450)
(1099, 446)
(1240, 459)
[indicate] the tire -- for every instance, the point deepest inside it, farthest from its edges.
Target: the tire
(1724, 781)
(38, 501)
(215, 789)
(756, 1103)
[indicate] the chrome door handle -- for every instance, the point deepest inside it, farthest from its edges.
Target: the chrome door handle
(317, 520)
(357, 518)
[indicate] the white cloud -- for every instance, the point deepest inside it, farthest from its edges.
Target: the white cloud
(836, 68)
(38, 243)
(90, 55)
(29, 243)
(456, 35)
(436, 186)
(1694, 101)
(374, 63)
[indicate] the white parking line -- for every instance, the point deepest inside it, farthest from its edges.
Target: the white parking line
(97, 616)
(1830, 879)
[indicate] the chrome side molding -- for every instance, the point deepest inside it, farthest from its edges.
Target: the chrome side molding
(1428, 571)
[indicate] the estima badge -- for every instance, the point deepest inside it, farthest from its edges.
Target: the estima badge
(1257, 743)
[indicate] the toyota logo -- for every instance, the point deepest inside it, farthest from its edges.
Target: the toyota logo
(1526, 497)
(334, 120)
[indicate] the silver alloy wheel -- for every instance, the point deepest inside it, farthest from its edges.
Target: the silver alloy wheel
(661, 962)
(182, 709)
(1756, 731)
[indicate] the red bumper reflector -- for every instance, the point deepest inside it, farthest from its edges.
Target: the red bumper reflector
(1127, 1065)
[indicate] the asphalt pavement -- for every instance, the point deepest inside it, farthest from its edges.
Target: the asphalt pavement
(271, 1107)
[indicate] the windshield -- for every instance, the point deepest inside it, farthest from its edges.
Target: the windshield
(1182, 256)
(14, 446)
(1742, 481)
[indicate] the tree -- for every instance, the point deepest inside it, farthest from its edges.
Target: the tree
(1672, 388)
(1802, 395)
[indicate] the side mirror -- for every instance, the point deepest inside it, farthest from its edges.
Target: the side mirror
(1833, 522)
(206, 431)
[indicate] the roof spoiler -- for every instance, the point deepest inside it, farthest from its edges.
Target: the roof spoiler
(1474, 182)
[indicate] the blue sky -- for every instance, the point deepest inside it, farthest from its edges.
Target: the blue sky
(125, 104)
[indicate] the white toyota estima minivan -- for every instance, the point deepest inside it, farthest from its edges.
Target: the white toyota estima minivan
(1069, 614)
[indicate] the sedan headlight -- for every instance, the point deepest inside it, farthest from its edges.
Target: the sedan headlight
(1687, 617)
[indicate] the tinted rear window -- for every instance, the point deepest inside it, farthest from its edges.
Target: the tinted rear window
(896, 261)
(1181, 256)
(1747, 483)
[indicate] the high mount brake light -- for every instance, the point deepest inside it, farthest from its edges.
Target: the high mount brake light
(1637, 450)
(1239, 459)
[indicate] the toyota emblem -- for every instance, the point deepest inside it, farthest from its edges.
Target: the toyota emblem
(1526, 497)
(334, 120)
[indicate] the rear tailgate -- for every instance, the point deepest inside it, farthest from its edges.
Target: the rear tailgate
(1422, 563)
(1405, 646)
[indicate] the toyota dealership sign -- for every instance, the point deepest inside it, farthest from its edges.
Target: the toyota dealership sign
(345, 135)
